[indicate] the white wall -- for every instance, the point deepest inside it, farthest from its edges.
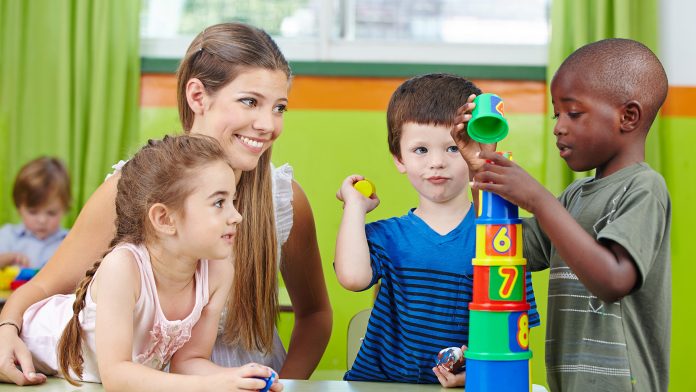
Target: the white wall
(677, 45)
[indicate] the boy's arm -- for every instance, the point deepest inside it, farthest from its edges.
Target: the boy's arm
(352, 258)
(605, 268)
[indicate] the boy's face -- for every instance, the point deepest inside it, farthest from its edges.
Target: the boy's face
(432, 162)
(44, 220)
(587, 126)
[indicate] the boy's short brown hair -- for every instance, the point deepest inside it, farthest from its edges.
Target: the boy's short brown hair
(39, 180)
(431, 99)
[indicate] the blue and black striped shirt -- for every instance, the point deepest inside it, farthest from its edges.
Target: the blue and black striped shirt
(422, 304)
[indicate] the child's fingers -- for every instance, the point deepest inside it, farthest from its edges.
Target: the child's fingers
(440, 377)
(28, 375)
(495, 158)
(12, 374)
(254, 370)
(251, 384)
(446, 378)
(490, 187)
(276, 387)
(23, 261)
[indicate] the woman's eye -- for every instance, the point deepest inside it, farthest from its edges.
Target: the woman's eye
(574, 115)
(219, 203)
(452, 149)
(251, 102)
(280, 108)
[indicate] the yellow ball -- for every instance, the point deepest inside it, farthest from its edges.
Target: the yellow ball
(365, 187)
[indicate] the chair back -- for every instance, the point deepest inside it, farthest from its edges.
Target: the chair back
(356, 331)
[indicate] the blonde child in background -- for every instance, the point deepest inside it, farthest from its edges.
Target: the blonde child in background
(156, 297)
(41, 194)
(423, 258)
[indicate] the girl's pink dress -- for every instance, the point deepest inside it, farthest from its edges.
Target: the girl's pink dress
(155, 339)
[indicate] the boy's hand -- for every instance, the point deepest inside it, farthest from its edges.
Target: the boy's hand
(350, 196)
(507, 179)
(21, 260)
(448, 379)
(467, 147)
(13, 258)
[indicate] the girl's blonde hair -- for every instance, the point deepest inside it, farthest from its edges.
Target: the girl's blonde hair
(216, 57)
(161, 172)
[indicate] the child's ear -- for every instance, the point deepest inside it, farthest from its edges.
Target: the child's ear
(195, 95)
(631, 116)
(399, 165)
(161, 219)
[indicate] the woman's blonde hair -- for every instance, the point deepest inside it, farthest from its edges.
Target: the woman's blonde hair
(216, 57)
(161, 172)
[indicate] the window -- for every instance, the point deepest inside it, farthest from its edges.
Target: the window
(498, 32)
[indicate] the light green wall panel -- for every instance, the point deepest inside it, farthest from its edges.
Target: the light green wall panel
(679, 169)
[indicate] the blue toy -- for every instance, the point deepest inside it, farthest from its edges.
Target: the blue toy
(269, 382)
(26, 273)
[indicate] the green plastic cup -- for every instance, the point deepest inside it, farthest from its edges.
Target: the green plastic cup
(488, 124)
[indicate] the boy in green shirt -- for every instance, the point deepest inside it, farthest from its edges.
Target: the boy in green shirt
(606, 239)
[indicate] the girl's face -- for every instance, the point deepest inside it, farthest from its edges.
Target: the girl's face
(208, 225)
(245, 116)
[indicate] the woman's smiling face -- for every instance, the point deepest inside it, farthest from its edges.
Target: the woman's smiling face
(246, 115)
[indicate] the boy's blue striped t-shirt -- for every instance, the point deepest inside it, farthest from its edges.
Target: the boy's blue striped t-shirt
(422, 304)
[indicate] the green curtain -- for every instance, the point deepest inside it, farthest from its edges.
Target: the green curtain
(576, 23)
(69, 87)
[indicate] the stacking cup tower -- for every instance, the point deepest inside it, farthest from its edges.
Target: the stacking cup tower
(498, 355)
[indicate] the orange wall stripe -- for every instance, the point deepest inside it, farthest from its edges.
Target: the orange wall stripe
(352, 93)
(362, 93)
(681, 102)
(158, 90)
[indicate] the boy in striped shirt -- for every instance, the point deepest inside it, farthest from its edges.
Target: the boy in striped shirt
(423, 258)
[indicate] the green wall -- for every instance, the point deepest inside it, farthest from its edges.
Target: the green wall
(679, 169)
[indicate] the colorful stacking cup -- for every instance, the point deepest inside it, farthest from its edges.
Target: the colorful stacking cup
(494, 209)
(499, 288)
(487, 124)
(487, 376)
(498, 336)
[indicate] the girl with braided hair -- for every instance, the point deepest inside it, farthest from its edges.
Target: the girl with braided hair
(154, 300)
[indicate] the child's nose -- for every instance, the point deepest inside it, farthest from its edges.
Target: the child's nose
(437, 161)
(235, 217)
